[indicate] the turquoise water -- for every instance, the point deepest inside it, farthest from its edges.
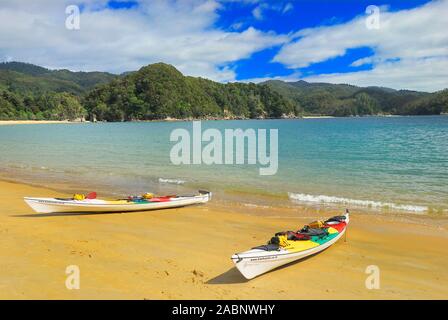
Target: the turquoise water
(381, 163)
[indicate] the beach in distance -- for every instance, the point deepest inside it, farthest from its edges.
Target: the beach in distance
(185, 254)
(14, 122)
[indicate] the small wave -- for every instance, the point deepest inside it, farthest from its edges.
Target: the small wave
(251, 205)
(171, 181)
(362, 203)
(17, 166)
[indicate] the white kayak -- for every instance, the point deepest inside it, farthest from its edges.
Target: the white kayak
(54, 205)
(265, 258)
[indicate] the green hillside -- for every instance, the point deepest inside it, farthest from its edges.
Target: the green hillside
(29, 92)
(348, 100)
(160, 91)
(24, 77)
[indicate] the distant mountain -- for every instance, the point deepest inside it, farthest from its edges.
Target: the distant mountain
(349, 100)
(22, 83)
(31, 92)
(160, 91)
(25, 68)
(20, 77)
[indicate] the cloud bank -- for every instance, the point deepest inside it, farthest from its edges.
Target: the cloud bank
(178, 32)
(410, 49)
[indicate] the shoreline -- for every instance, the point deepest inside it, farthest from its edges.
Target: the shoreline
(185, 254)
(36, 177)
(231, 199)
(16, 122)
(319, 117)
(19, 122)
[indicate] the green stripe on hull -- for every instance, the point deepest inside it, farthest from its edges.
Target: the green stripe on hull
(322, 240)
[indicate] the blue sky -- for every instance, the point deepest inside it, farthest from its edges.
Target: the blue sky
(246, 40)
(303, 14)
(118, 5)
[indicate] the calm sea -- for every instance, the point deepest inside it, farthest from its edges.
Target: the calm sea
(378, 163)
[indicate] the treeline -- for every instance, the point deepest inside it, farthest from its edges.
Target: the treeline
(157, 91)
(160, 91)
(347, 100)
(23, 77)
(30, 92)
(46, 106)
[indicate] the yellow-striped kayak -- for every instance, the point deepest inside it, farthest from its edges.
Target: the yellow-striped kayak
(53, 205)
(290, 246)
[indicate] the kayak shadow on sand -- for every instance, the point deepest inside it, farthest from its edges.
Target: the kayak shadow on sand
(60, 214)
(233, 276)
(65, 214)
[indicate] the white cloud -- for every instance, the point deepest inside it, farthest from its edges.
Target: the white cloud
(258, 11)
(288, 7)
(410, 48)
(237, 25)
(362, 61)
(178, 32)
(415, 40)
(428, 74)
(293, 77)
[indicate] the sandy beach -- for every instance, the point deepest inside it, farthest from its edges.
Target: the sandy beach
(185, 254)
(15, 122)
(317, 117)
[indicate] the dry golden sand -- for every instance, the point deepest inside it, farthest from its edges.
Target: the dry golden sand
(185, 254)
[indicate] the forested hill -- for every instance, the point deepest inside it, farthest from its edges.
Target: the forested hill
(28, 78)
(160, 91)
(348, 100)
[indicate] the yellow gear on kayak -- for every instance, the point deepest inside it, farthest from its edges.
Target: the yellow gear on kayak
(332, 230)
(316, 224)
(79, 197)
(283, 241)
(148, 196)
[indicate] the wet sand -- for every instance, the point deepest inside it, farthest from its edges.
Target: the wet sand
(185, 254)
